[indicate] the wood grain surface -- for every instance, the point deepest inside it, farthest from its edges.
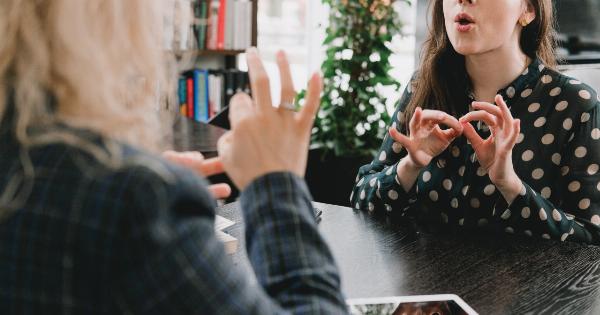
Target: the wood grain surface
(494, 274)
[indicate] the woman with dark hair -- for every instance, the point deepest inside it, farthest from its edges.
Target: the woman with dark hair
(521, 152)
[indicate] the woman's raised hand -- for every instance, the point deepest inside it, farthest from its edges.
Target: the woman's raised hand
(427, 139)
(264, 139)
(495, 153)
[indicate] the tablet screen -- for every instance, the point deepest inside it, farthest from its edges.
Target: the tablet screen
(415, 305)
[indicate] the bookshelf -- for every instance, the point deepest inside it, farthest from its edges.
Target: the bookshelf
(196, 51)
(225, 53)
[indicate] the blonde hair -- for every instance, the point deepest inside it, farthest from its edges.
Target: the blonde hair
(101, 60)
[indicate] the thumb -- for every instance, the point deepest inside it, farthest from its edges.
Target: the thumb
(399, 137)
(471, 134)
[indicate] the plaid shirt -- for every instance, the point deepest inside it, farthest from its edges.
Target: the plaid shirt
(85, 239)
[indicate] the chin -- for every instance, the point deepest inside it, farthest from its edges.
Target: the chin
(467, 49)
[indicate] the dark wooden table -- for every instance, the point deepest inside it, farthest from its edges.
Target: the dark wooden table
(495, 275)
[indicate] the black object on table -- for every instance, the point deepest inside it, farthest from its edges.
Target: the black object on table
(493, 274)
(190, 135)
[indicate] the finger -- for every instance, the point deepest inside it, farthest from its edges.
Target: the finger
(312, 102)
(188, 159)
(516, 132)
(240, 107)
(288, 93)
(451, 133)
(212, 167)
(479, 115)
(492, 109)
(439, 117)
(471, 134)
(507, 116)
(220, 191)
(259, 80)
(415, 121)
(399, 137)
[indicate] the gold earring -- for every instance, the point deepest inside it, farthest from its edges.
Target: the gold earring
(523, 22)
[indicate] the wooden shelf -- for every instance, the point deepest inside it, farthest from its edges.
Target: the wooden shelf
(197, 52)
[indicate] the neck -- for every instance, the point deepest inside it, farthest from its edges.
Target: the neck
(494, 70)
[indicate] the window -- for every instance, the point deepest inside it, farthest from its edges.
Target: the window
(297, 26)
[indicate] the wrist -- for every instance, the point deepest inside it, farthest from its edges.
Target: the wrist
(407, 173)
(407, 164)
(510, 188)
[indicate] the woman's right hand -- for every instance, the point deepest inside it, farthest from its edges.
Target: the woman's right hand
(426, 139)
(264, 139)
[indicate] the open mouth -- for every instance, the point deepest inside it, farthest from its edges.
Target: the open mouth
(464, 19)
(464, 22)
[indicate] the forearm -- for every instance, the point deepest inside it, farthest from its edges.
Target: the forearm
(534, 215)
(289, 256)
(382, 190)
(510, 188)
(407, 173)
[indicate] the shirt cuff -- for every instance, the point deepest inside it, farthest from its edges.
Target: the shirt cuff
(276, 193)
(393, 194)
(521, 201)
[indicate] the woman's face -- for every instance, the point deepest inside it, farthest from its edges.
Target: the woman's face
(479, 26)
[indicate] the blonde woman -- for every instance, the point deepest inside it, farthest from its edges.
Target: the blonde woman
(91, 221)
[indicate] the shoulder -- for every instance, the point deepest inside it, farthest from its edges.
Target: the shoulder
(122, 180)
(568, 91)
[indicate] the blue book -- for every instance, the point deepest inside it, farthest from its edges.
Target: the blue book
(201, 112)
(206, 95)
(182, 91)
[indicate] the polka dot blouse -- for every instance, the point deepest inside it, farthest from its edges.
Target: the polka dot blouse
(557, 157)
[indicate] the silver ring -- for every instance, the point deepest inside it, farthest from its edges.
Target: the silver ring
(288, 105)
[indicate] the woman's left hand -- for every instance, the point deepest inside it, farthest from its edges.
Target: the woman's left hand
(495, 152)
(203, 167)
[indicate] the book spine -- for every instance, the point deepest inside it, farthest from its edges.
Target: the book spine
(203, 20)
(190, 97)
(206, 96)
(247, 24)
(213, 25)
(222, 19)
(229, 85)
(182, 96)
(197, 96)
(229, 23)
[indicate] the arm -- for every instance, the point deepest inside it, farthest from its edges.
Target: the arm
(576, 217)
(173, 263)
(290, 258)
(377, 184)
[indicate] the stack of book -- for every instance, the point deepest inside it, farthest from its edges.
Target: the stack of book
(223, 24)
(204, 93)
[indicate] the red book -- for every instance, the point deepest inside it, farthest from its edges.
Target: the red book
(190, 98)
(221, 32)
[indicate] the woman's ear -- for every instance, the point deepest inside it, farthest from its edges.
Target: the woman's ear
(528, 14)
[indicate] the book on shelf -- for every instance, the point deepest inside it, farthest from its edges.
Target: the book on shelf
(204, 93)
(208, 25)
(225, 24)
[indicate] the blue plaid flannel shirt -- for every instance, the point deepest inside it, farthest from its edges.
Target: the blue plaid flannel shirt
(86, 239)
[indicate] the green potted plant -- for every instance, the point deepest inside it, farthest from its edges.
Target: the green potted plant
(353, 119)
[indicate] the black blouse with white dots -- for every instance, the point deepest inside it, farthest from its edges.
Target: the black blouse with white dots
(557, 157)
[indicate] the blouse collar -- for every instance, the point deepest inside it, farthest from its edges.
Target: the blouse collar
(526, 79)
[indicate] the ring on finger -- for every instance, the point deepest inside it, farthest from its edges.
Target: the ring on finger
(288, 106)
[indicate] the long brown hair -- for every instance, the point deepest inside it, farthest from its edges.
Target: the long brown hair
(442, 81)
